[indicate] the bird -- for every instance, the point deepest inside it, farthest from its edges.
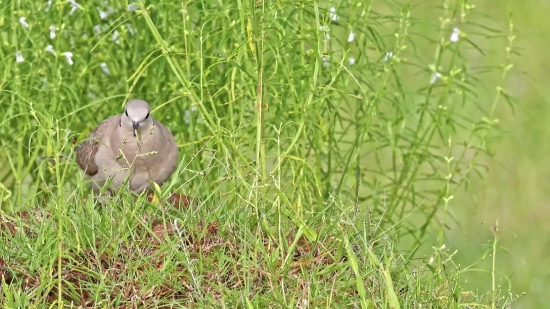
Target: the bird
(129, 144)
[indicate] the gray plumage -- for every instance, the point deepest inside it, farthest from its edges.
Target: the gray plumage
(130, 143)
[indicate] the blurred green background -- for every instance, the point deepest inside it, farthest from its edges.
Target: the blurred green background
(515, 191)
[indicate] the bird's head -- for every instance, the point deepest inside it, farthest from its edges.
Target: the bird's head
(136, 117)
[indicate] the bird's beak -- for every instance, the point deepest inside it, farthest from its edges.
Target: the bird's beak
(135, 125)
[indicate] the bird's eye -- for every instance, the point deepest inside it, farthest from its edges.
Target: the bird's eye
(147, 116)
(126, 112)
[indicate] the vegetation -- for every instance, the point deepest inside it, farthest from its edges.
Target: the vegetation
(322, 147)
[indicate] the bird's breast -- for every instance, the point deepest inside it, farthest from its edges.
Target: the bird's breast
(136, 153)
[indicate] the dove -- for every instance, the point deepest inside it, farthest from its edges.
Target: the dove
(132, 143)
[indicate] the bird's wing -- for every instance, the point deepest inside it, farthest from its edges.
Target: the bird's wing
(87, 150)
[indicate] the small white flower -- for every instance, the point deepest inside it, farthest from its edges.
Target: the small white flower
(351, 36)
(69, 57)
(91, 95)
(19, 57)
(97, 29)
(23, 22)
(74, 6)
(50, 49)
(455, 35)
(115, 37)
(44, 83)
(326, 61)
(47, 9)
(325, 29)
(351, 61)
(132, 7)
(104, 14)
(387, 56)
(130, 29)
(187, 116)
(332, 14)
(435, 76)
(52, 32)
(104, 68)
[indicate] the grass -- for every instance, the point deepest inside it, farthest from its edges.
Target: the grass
(322, 165)
(217, 257)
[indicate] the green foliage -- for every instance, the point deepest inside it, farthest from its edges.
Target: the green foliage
(299, 137)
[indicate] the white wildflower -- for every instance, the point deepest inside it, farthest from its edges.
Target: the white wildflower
(351, 61)
(44, 83)
(326, 61)
(132, 7)
(332, 14)
(52, 32)
(74, 6)
(104, 68)
(47, 9)
(130, 29)
(19, 57)
(455, 35)
(387, 56)
(23, 22)
(325, 29)
(435, 76)
(187, 116)
(69, 57)
(115, 37)
(50, 49)
(104, 14)
(351, 36)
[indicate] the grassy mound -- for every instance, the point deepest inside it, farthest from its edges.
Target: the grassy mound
(199, 255)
